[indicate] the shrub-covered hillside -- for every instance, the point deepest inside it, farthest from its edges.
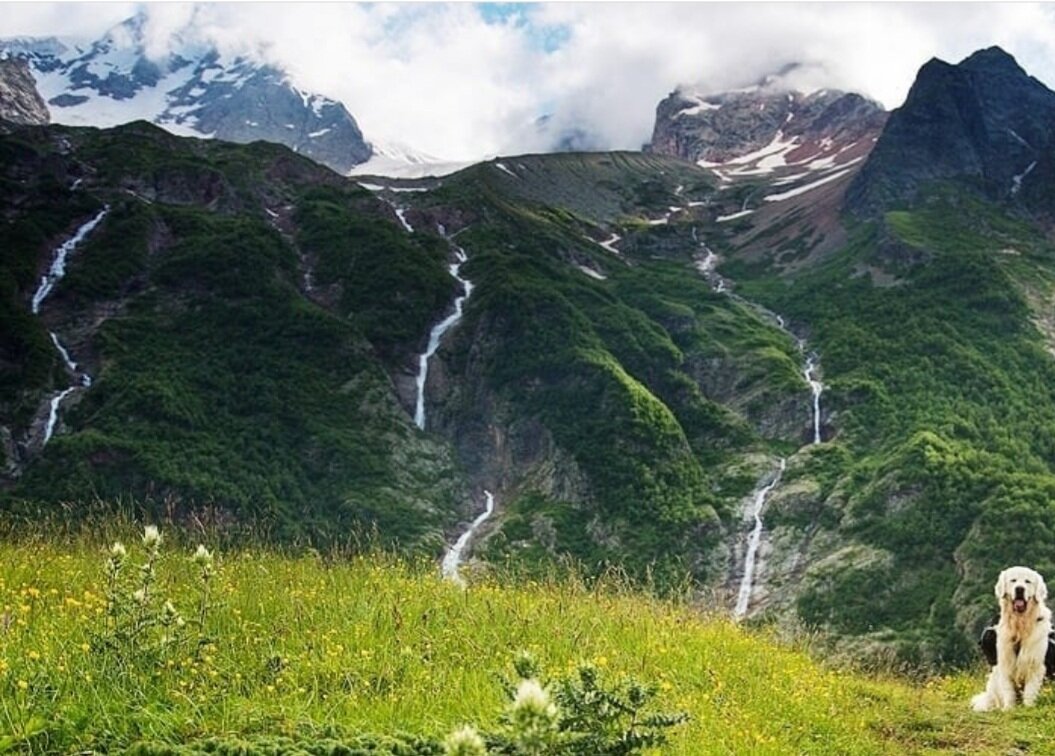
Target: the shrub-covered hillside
(224, 385)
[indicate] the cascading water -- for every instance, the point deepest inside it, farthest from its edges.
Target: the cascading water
(452, 560)
(707, 267)
(816, 388)
(58, 264)
(747, 583)
(440, 329)
(47, 284)
(401, 214)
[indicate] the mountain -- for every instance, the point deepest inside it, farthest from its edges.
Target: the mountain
(193, 91)
(20, 103)
(731, 130)
(210, 341)
(984, 121)
(701, 377)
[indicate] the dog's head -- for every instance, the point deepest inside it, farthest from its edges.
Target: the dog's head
(1020, 586)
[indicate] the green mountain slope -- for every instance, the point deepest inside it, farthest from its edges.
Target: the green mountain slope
(942, 384)
(221, 387)
(252, 325)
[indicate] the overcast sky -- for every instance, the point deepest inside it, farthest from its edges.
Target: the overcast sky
(462, 81)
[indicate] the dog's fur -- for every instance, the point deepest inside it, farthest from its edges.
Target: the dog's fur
(1021, 641)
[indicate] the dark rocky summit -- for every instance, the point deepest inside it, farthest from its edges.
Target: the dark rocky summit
(984, 119)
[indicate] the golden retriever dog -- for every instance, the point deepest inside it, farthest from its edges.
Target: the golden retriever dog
(1021, 641)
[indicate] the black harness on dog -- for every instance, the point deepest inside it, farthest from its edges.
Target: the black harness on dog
(987, 642)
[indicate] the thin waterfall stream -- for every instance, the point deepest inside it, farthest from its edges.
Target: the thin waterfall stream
(707, 266)
(440, 329)
(452, 560)
(56, 271)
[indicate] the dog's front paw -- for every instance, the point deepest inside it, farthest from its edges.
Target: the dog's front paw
(982, 702)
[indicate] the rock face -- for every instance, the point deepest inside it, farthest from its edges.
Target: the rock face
(984, 119)
(192, 91)
(717, 128)
(19, 100)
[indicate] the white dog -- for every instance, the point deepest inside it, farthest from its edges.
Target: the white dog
(1021, 641)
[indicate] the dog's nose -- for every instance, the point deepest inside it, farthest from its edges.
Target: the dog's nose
(1020, 592)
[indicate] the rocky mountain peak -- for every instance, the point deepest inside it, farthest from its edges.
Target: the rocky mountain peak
(192, 89)
(983, 119)
(20, 103)
(993, 59)
(766, 126)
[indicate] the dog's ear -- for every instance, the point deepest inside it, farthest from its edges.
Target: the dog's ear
(1042, 589)
(1001, 589)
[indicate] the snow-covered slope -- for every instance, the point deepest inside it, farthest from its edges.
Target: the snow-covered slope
(194, 91)
(399, 161)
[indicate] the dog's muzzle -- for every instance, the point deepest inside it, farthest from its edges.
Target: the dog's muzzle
(1019, 603)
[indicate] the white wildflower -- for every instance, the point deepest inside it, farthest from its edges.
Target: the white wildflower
(533, 719)
(202, 556)
(151, 537)
(532, 698)
(464, 742)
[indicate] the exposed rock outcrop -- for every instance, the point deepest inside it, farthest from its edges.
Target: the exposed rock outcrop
(20, 102)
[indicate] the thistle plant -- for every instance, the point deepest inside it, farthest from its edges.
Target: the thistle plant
(203, 560)
(139, 625)
(114, 564)
(579, 714)
(465, 741)
(533, 719)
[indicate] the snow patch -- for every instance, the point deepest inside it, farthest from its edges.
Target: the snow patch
(502, 167)
(1016, 181)
(591, 272)
(805, 188)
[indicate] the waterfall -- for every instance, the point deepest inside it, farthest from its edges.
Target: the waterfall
(440, 329)
(452, 560)
(47, 284)
(747, 581)
(401, 214)
(53, 412)
(816, 388)
(58, 263)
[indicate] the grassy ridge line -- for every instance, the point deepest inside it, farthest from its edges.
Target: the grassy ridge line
(307, 648)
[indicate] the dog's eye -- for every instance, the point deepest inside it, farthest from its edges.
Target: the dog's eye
(1028, 580)
(1014, 580)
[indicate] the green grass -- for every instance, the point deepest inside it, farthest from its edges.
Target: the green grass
(317, 649)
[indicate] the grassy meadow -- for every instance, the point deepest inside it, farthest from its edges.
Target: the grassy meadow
(313, 652)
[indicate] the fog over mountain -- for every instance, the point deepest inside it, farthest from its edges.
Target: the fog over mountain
(463, 81)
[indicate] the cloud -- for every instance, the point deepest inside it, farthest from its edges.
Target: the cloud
(462, 81)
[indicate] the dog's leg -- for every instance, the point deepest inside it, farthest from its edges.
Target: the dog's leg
(1031, 689)
(987, 700)
(1005, 692)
